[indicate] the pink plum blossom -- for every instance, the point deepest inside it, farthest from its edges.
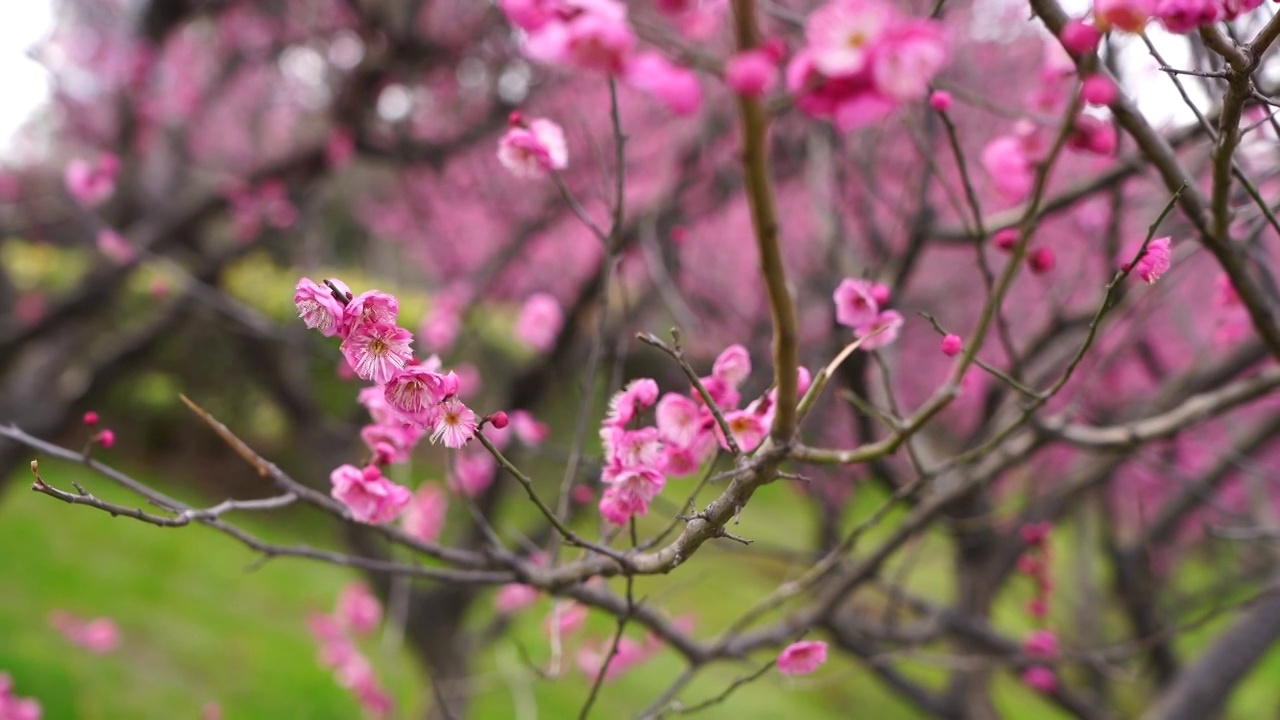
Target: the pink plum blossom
(455, 425)
(675, 87)
(318, 308)
(358, 610)
(752, 73)
(514, 597)
(1040, 679)
(843, 33)
(882, 331)
(90, 184)
(472, 473)
(855, 305)
(1041, 644)
(1154, 263)
(424, 517)
(528, 429)
(908, 57)
(533, 150)
(115, 247)
(586, 34)
(1010, 167)
(733, 365)
(370, 496)
(539, 322)
(1183, 16)
(415, 389)
(1128, 15)
(626, 403)
(802, 658)
(377, 351)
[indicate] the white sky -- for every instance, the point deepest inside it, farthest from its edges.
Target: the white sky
(24, 83)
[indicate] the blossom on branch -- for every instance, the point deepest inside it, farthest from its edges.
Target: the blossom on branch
(369, 495)
(802, 658)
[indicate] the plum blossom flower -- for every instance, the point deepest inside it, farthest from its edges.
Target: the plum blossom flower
(629, 493)
(513, 597)
(1128, 15)
(637, 395)
(748, 428)
(377, 351)
(1154, 263)
(115, 247)
(317, 307)
(843, 33)
(1183, 16)
(539, 322)
(629, 653)
(1041, 644)
(415, 389)
(455, 425)
(1010, 166)
(533, 150)
(472, 473)
(586, 34)
(90, 184)
(733, 365)
(100, 635)
(855, 305)
(370, 496)
(424, 517)
(528, 429)
(13, 707)
(675, 87)
(753, 72)
(882, 331)
(907, 59)
(1040, 679)
(370, 307)
(358, 609)
(802, 658)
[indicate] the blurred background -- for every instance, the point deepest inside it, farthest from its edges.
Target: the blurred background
(241, 145)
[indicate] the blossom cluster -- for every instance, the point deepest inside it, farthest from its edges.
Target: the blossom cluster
(862, 58)
(408, 400)
(1177, 16)
(596, 35)
(357, 613)
(858, 305)
(684, 435)
(13, 707)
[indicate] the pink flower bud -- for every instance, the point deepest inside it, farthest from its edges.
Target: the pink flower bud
(106, 438)
(498, 420)
(1041, 260)
(1099, 90)
(940, 100)
(1035, 533)
(881, 293)
(1079, 37)
(91, 418)
(752, 73)
(802, 658)
(951, 345)
(1040, 678)
(1005, 239)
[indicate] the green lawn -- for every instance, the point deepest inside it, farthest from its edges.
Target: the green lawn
(202, 623)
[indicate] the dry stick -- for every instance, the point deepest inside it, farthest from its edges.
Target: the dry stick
(268, 550)
(948, 391)
(612, 244)
(269, 470)
(617, 640)
(1044, 396)
(1160, 155)
(677, 354)
(566, 533)
(724, 695)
